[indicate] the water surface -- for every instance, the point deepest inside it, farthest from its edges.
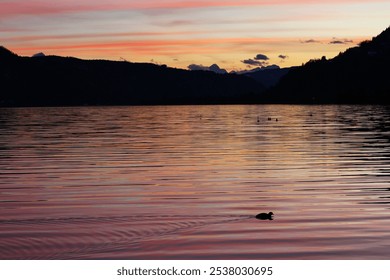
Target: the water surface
(184, 182)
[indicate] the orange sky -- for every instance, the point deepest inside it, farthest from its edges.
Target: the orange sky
(229, 33)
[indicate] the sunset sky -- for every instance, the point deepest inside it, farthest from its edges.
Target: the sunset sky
(234, 34)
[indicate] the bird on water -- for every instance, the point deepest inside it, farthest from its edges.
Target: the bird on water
(265, 216)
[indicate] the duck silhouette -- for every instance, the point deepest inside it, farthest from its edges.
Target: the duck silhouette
(265, 216)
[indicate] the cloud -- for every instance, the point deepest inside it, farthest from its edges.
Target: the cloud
(213, 68)
(253, 62)
(261, 57)
(340, 42)
(310, 41)
(334, 41)
(283, 57)
(198, 67)
(44, 7)
(259, 60)
(139, 46)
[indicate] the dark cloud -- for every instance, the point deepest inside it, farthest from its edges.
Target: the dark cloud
(261, 57)
(196, 67)
(282, 56)
(259, 60)
(253, 62)
(310, 41)
(213, 68)
(342, 42)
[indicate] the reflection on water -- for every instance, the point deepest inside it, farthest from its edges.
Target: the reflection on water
(187, 181)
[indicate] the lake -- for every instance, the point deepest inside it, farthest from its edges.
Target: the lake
(185, 182)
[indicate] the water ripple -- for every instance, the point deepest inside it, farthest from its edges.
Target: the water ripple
(177, 182)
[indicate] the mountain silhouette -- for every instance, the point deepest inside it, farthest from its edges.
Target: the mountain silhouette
(268, 77)
(67, 81)
(6, 55)
(359, 75)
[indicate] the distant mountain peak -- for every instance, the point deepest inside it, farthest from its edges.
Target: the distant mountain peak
(215, 68)
(40, 54)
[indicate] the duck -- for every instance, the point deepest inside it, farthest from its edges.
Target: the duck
(265, 216)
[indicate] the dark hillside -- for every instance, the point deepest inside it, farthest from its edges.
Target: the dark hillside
(62, 81)
(359, 75)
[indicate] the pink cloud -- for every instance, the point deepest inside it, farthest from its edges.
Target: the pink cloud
(43, 7)
(168, 46)
(67, 37)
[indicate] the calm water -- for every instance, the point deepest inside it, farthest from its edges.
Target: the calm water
(184, 182)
